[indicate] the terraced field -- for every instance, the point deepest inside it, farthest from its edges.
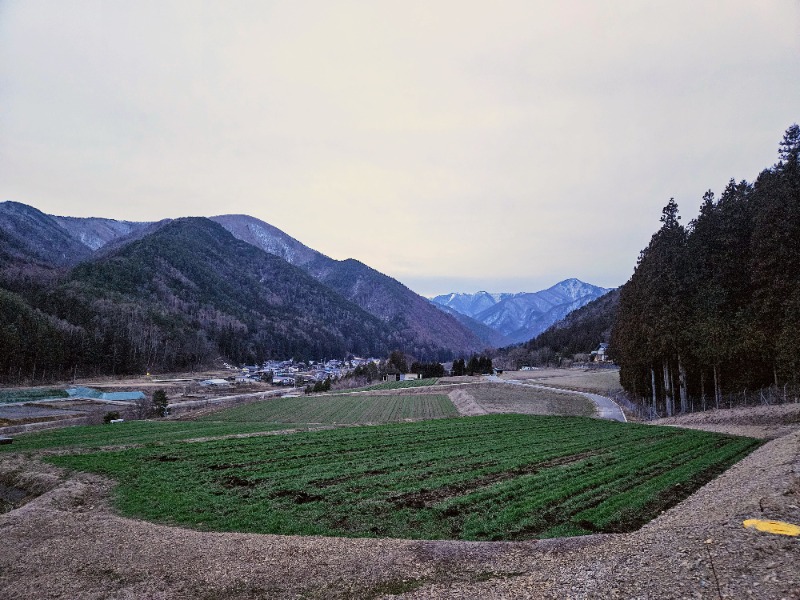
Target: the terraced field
(340, 409)
(130, 433)
(496, 477)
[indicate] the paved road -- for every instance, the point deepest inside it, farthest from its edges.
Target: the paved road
(606, 407)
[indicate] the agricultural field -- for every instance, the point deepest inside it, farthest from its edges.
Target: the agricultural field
(353, 409)
(505, 398)
(597, 381)
(495, 477)
(89, 437)
(400, 385)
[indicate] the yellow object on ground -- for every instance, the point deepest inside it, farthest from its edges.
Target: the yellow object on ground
(778, 527)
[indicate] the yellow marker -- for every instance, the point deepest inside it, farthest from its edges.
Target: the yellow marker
(778, 527)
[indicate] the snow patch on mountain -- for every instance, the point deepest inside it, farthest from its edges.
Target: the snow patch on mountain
(522, 316)
(96, 232)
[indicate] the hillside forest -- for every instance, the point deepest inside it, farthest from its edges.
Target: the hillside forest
(712, 310)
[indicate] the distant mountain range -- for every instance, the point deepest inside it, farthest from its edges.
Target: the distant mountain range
(519, 317)
(100, 295)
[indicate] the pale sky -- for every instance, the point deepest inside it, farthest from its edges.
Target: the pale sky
(453, 145)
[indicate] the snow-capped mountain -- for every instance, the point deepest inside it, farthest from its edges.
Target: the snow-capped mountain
(95, 232)
(470, 304)
(268, 238)
(522, 316)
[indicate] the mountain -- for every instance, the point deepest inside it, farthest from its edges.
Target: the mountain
(94, 233)
(429, 331)
(521, 316)
(103, 296)
(180, 297)
(28, 236)
(471, 304)
(268, 238)
(425, 331)
(487, 335)
(582, 330)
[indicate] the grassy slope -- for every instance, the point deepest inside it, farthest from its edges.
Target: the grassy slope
(484, 478)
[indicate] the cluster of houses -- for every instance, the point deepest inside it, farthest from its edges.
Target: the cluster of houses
(291, 373)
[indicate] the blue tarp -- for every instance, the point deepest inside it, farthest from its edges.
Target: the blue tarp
(84, 392)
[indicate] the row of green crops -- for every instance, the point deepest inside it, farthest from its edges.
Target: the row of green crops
(130, 433)
(399, 385)
(482, 478)
(266, 415)
(340, 409)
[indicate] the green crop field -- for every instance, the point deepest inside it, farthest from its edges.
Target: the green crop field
(496, 477)
(340, 409)
(130, 433)
(399, 385)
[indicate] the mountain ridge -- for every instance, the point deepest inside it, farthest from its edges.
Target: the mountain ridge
(521, 316)
(68, 249)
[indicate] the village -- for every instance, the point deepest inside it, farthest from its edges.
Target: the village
(292, 373)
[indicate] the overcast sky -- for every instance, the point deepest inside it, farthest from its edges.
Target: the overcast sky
(453, 145)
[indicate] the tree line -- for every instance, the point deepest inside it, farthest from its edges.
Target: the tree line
(712, 310)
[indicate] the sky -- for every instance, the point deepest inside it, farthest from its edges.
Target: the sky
(453, 145)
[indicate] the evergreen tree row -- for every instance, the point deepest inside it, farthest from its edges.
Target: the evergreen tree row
(476, 365)
(712, 311)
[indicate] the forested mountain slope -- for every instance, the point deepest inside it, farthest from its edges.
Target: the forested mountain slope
(128, 306)
(490, 337)
(582, 330)
(181, 296)
(426, 330)
(27, 235)
(94, 232)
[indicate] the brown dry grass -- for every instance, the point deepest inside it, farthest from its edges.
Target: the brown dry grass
(597, 381)
(504, 398)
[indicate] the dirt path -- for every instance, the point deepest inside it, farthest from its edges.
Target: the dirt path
(68, 543)
(465, 404)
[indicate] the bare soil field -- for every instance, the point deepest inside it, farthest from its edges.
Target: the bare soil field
(598, 381)
(494, 398)
(66, 542)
